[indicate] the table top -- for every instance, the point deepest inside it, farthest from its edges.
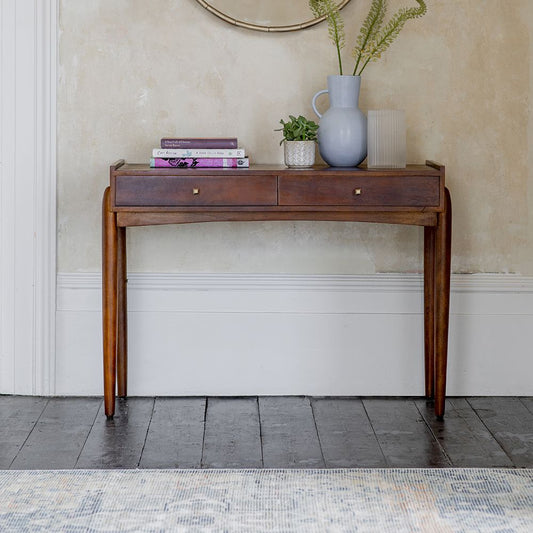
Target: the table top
(429, 169)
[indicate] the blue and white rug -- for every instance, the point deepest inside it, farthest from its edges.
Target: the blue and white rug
(373, 500)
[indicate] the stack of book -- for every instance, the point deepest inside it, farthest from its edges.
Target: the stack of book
(216, 152)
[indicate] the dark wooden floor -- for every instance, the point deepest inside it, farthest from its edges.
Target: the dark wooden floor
(269, 432)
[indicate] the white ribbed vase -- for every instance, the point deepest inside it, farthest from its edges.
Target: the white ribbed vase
(386, 139)
(299, 154)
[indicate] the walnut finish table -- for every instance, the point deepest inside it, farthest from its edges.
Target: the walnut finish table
(143, 196)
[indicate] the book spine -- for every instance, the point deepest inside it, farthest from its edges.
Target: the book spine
(196, 152)
(230, 142)
(199, 162)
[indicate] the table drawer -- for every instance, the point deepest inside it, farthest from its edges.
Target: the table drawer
(402, 191)
(168, 191)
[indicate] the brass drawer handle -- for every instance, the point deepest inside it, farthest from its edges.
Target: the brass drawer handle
(357, 192)
(196, 191)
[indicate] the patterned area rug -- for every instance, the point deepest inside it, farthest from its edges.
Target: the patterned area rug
(376, 500)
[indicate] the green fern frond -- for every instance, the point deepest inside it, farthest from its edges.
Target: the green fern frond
(330, 10)
(382, 40)
(369, 29)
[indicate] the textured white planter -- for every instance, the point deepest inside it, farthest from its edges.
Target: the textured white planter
(299, 154)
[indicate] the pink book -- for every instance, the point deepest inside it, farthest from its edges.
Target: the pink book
(199, 162)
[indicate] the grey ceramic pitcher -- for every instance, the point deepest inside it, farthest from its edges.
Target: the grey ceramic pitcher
(342, 128)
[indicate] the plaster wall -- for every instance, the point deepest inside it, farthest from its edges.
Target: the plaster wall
(131, 72)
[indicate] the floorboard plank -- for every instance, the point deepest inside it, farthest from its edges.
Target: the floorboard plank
(403, 435)
(289, 435)
(18, 416)
(59, 435)
(528, 402)
(232, 434)
(346, 435)
(511, 424)
(465, 439)
(118, 443)
(175, 435)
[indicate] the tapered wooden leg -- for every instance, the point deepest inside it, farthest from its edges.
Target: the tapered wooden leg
(442, 286)
(122, 315)
(429, 310)
(109, 301)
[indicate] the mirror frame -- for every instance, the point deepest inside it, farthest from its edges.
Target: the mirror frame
(259, 27)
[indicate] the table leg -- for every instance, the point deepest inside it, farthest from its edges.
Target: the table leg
(442, 287)
(109, 301)
(122, 315)
(429, 310)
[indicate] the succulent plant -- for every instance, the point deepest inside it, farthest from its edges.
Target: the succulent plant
(298, 129)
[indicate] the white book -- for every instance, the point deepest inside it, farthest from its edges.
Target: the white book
(198, 152)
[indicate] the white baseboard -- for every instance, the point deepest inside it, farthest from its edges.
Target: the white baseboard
(240, 334)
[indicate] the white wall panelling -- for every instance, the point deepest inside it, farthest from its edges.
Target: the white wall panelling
(326, 335)
(27, 195)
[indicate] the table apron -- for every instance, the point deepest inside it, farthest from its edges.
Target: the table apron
(150, 218)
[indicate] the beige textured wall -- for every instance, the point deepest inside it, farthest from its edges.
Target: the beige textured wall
(133, 71)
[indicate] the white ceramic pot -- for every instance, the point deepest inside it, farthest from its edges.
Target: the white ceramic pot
(299, 154)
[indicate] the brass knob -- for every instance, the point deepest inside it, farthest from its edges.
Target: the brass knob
(196, 191)
(357, 192)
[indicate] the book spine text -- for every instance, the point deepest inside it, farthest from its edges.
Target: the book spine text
(230, 142)
(197, 152)
(199, 162)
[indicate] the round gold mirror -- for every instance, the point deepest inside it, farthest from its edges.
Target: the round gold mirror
(265, 15)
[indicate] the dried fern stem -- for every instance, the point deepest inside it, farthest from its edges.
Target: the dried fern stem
(330, 10)
(377, 40)
(374, 38)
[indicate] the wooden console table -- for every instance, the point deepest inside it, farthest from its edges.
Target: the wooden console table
(142, 196)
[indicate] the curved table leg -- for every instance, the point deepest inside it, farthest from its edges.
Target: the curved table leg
(442, 289)
(109, 301)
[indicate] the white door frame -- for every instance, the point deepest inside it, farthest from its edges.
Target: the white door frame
(28, 52)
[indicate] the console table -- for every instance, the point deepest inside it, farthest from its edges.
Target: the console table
(141, 196)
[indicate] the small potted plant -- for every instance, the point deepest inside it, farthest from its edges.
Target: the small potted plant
(299, 139)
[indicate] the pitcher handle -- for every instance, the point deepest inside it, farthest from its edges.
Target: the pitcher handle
(314, 100)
